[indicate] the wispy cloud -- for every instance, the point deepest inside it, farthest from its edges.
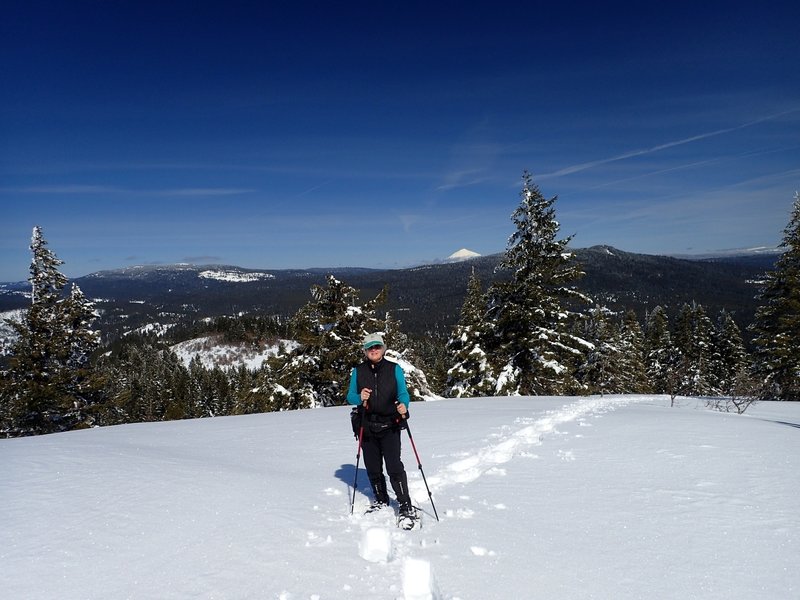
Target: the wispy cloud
(314, 188)
(472, 158)
(694, 164)
(100, 189)
(458, 179)
(62, 189)
(203, 192)
(591, 164)
(753, 199)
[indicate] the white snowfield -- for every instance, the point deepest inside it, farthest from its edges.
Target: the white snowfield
(212, 352)
(234, 275)
(619, 497)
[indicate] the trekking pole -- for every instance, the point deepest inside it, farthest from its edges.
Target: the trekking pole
(419, 465)
(358, 458)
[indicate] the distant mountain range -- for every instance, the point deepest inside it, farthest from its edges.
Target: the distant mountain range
(426, 299)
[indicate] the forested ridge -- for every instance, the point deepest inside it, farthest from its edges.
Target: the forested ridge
(428, 298)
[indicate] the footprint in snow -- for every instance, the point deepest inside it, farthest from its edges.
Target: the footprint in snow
(567, 455)
(460, 513)
(315, 541)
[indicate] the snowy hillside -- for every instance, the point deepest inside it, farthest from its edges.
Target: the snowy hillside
(234, 275)
(616, 497)
(211, 352)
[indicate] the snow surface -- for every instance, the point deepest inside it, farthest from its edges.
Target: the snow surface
(619, 497)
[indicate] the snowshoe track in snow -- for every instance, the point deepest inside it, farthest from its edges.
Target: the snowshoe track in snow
(382, 542)
(515, 443)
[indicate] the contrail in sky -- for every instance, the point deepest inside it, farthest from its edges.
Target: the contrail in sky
(694, 138)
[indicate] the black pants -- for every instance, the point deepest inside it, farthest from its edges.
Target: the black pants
(380, 448)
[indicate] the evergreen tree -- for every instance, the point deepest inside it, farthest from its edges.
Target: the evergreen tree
(777, 321)
(329, 330)
(730, 358)
(146, 382)
(601, 373)
(661, 357)
(83, 385)
(259, 392)
(471, 374)
(694, 340)
(400, 350)
(431, 352)
(633, 376)
(534, 350)
(48, 387)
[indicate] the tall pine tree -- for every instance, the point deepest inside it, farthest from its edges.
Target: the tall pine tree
(631, 344)
(48, 387)
(777, 322)
(661, 357)
(730, 361)
(534, 349)
(694, 339)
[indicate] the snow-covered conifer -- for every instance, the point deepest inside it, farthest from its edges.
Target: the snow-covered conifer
(400, 350)
(661, 356)
(694, 339)
(777, 322)
(329, 329)
(633, 377)
(533, 349)
(47, 388)
(730, 357)
(601, 371)
(471, 374)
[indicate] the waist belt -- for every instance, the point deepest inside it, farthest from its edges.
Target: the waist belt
(381, 418)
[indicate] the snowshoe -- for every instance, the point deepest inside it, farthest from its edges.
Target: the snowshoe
(376, 506)
(407, 517)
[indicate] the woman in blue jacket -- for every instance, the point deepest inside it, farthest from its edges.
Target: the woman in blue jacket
(379, 386)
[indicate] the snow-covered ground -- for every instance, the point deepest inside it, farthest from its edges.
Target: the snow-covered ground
(539, 498)
(212, 353)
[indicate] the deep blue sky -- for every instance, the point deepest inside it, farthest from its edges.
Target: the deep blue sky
(299, 134)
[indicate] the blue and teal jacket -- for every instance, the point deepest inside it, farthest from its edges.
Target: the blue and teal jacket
(387, 382)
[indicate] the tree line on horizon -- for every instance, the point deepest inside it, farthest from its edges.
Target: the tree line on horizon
(533, 332)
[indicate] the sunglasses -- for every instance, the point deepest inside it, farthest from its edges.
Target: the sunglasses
(378, 347)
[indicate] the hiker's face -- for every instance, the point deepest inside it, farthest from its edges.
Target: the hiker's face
(375, 353)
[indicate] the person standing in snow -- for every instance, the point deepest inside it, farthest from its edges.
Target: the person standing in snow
(379, 386)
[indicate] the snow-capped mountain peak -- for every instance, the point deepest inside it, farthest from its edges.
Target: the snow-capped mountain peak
(462, 254)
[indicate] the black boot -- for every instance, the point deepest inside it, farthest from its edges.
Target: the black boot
(407, 516)
(380, 493)
(400, 487)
